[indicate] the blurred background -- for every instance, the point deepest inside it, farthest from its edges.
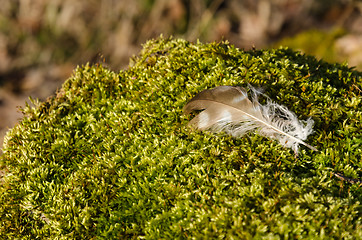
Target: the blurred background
(42, 41)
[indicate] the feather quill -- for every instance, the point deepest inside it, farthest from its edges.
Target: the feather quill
(228, 109)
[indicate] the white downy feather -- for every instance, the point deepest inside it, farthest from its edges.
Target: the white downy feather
(228, 109)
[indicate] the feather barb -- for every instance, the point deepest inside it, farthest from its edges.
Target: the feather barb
(228, 109)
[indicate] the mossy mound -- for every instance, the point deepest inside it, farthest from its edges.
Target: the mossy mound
(110, 155)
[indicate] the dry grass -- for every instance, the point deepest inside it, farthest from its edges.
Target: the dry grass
(40, 32)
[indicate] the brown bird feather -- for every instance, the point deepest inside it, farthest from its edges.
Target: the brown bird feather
(228, 109)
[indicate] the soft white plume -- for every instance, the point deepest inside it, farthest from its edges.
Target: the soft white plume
(228, 109)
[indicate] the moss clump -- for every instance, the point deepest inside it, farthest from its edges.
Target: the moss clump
(331, 46)
(110, 155)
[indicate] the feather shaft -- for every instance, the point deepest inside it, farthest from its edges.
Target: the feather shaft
(279, 131)
(228, 109)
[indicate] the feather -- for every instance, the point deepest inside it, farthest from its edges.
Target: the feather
(228, 109)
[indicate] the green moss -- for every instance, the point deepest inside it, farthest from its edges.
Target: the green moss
(110, 155)
(321, 44)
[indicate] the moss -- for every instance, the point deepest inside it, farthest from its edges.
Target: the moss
(322, 44)
(110, 155)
